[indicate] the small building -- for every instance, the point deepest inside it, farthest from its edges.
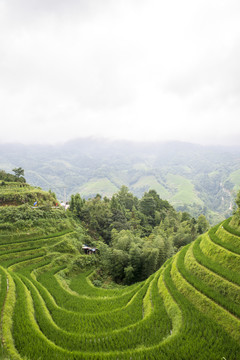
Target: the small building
(89, 250)
(65, 205)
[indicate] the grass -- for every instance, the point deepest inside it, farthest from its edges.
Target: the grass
(98, 186)
(188, 309)
(235, 179)
(183, 191)
(150, 182)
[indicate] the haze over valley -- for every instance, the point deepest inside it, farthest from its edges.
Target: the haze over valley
(194, 178)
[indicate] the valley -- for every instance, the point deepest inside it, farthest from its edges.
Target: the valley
(193, 178)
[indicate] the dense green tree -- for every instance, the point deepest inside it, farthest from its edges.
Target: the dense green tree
(119, 220)
(149, 260)
(134, 221)
(148, 205)
(119, 261)
(185, 216)
(17, 177)
(141, 257)
(238, 200)
(203, 224)
(72, 203)
(125, 198)
(182, 237)
(129, 275)
(141, 234)
(78, 204)
(135, 260)
(159, 203)
(18, 172)
(237, 211)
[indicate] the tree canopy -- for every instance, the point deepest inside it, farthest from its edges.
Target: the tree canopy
(17, 177)
(137, 235)
(18, 172)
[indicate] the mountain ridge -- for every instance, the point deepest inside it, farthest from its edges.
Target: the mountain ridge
(92, 166)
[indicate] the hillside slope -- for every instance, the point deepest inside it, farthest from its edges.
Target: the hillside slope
(14, 193)
(189, 309)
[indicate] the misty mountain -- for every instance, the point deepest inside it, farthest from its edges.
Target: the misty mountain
(195, 178)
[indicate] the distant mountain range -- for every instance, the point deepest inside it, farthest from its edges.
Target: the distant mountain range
(193, 178)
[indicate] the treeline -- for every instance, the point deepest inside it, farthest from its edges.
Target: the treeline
(137, 235)
(18, 176)
(236, 219)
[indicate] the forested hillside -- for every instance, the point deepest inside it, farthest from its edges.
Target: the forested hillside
(194, 178)
(187, 309)
(137, 235)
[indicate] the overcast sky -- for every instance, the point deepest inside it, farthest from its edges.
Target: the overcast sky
(121, 69)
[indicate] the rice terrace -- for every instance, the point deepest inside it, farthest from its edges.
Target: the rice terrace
(119, 180)
(188, 309)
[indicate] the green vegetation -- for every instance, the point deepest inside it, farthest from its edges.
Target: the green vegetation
(150, 182)
(96, 186)
(18, 192)
(17, 177)
(235, 179)
(187, 309)
(183, 190)
(193, 178)
(138, 235)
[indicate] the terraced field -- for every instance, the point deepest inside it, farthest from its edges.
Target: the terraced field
(13, 193)
(189, 309)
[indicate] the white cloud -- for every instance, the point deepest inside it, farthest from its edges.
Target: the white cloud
(138, 70)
